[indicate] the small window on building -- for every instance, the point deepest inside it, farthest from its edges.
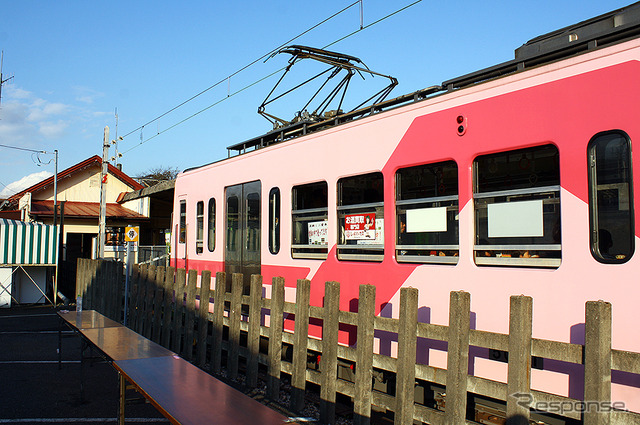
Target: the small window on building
(211, 226)
(309, 218)
(361, 218)
(182, 232)
(427, 214)
(274, 220)
(611, 197)
(199, 227)
(517, 208)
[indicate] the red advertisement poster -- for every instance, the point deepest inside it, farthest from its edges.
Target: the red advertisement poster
(360, 226)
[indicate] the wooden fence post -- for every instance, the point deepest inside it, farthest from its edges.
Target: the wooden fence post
(364, 355)
(519, 368)
(203, 318)
(119, 307)
(158, 303)
(253, 341)
(115, 294)
(150, 295)
(329, 359)
(94, 299)
(190, 314)
(142, 297)
(105, 288)
(218, 324)
(407, 343)
(92, 288)
(81, 279)
(100, 300)
(457, 357)
(168, 306)
(276, 308)
(178, 306)
(235, 316)
(597, 363)
(134, 299)
(301, 332)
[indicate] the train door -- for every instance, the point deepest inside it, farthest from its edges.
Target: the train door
(242, 224)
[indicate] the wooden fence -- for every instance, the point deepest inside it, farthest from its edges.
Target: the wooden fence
(164, 307)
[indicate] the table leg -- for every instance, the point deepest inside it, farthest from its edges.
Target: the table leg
(123, 385)
(60, 325)
(82, 362)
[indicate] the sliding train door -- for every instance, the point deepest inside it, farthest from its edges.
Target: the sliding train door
(242, 237)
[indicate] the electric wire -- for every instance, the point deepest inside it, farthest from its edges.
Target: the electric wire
(242, 69)
(257, 81)
(22, 149)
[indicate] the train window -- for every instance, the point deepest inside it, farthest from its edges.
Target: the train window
(211, 225)
(517, 208)
(252, 217)
(427, 214)
(199, 227)
(309, 216)
(361, 218)
(274, 220)
(611, 197)
(233, 223)
(182, 232)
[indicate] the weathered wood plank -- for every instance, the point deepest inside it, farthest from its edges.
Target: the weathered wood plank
(253, 337)
(329, 360)
(218, 316)
(275, 337)
(203, 318)
(364, 356)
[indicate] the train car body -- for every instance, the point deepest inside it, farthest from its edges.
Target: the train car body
(518, 184)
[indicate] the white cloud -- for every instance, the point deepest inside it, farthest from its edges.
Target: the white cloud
(23, 183)
(25, 118)
(53, 130)
(86, 95)
(17, 93)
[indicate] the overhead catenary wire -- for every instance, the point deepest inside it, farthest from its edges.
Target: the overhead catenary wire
(228, 78)
(229, 95)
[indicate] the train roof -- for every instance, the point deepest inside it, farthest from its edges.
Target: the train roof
(610, 28)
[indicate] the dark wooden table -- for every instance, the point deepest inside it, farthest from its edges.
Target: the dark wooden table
(180, 391)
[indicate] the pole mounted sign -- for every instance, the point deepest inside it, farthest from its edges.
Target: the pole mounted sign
(131, 233)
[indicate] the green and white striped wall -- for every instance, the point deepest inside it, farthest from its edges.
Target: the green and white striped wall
(28, 243)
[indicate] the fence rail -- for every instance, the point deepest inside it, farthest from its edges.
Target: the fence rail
(168, 307)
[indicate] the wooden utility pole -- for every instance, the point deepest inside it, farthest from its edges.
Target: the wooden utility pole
(103, 192)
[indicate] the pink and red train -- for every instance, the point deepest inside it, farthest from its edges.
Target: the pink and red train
(516, 179)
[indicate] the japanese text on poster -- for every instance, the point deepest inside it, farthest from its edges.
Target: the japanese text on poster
(317, 232)
(360, 226)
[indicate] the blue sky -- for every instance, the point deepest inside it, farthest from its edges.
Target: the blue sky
(75, 62)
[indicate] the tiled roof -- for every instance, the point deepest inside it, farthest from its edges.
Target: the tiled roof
(83, 210)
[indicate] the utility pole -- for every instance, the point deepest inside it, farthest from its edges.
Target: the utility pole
(103, 192)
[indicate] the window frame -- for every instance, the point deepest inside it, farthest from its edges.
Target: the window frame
(182, 220)
(199, 236)
(594, 216)
(274, 220)
(365, 251)
(414, 252)
(211, 225)
(544, 195)
(316, 214)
